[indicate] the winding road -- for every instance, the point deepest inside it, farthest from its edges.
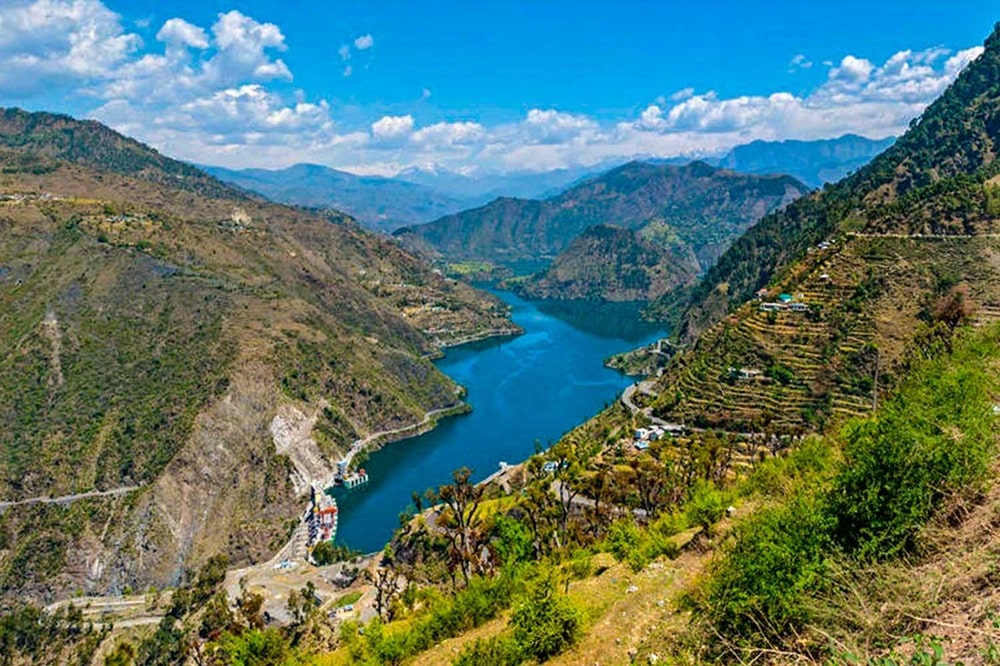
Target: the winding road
(360, 444)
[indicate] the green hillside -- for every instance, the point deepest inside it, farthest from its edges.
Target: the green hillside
(945, 160)
(188, 363)
(612, 264)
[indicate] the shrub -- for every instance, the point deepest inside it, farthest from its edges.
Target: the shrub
(257, 647)
(545, 623)
(495, 651)
(706, 505)
(932, 439)
(759, 589)
(626, 543)
(324, 553)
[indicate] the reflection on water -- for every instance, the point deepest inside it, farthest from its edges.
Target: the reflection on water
(524, 392)
(619, 321)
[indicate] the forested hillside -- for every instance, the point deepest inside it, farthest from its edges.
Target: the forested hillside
(187, 364)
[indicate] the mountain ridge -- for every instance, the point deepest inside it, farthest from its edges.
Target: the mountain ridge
(380, 204)
(690, 198)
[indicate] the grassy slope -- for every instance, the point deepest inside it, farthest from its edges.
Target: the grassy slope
(941, 593)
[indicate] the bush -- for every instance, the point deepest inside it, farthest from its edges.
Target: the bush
(932, 439)
(626, 543)
(759, 589)
(706, 506)
(256, 647)
(495, 651)
(324, 553)
(545, 623)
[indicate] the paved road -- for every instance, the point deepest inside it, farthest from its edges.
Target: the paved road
(644, 387)
(360, 444)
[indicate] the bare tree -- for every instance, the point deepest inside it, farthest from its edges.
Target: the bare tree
(387, 588)
(459, 519)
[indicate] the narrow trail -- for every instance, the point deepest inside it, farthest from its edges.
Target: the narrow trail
(67, 499)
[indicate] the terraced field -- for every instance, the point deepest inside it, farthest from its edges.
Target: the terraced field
(867, 297)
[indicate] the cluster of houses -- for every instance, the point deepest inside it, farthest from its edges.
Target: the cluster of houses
(642, 437)
(785, 303)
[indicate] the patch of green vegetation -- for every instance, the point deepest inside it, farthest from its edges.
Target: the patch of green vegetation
(931, 442)
(465, 268)
(348, 599)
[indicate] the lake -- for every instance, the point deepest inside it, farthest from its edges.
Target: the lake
(524, 392)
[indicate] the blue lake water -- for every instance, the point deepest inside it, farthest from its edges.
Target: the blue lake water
(523, 391)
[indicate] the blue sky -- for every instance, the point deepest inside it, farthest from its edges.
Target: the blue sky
(376, 87)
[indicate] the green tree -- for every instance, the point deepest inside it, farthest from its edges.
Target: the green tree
(324, 553)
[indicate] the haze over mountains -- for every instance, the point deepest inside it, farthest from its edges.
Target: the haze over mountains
(419, 195)
(812, 162)
(692, 211)
(802, 466)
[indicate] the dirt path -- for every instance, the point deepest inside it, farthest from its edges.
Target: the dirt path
(68, 499)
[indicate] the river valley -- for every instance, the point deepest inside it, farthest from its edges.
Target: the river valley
(524, 392)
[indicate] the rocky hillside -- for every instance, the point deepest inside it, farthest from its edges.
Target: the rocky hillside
(695, 205)
(177, 363)
(381, 204)
(611, 264)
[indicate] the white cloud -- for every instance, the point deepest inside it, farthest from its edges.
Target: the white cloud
(220, 94)
(442, 135)
(388, 128)
(59, 43)
(551, 126)
(799, 61)
(242, 45)
(678, 96)
(852, 69)
(179, 32)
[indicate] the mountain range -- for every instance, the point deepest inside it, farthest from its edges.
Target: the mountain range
(694, 211)
(381, 204)
(812, 162)
(167, 343)
(423, 194)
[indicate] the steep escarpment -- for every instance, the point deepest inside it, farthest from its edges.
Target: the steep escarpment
(152, 335)
(816, 310)
(945, 159)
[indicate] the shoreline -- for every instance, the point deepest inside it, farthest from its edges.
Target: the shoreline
(441, 346)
